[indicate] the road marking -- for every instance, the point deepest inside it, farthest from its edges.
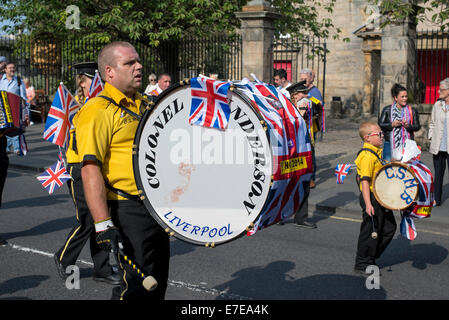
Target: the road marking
(445, 234)
(179, 284)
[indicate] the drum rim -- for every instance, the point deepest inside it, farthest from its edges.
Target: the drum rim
(137, 177)
(397, 164)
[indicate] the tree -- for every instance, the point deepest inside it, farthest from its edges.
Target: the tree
(152, 22)
(398, 10)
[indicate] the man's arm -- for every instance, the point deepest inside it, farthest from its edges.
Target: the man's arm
(95, 191)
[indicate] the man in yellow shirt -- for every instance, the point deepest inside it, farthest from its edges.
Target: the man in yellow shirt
(368, 164)
(105, 128)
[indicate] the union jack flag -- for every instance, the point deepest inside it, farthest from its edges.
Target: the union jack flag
(423, 207)
(291, 148)
(407, 227)
(95, 87)
(59, 120)
(54, 177)
(341, 171)
(210, 106)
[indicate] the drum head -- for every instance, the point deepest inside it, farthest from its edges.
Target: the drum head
(202, 185)
(395, 186)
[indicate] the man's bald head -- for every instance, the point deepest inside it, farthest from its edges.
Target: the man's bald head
(107, 56)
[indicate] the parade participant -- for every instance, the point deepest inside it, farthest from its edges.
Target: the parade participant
(84, 229)
(298, 93)
(163, 82)
(439, 138)
(14, 84)
(104, 133)
(398, 122)
(374, 215)
(280, 80)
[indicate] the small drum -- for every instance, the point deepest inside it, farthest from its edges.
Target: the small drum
(11, 113)
(396, 186)
(208, 186)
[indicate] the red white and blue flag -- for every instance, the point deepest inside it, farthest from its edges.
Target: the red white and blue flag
(54, 177)
(407, 227)
(95, 87)
(423, 207)
(341, 171)
(210, 106)
(290, 143)
(60, 116)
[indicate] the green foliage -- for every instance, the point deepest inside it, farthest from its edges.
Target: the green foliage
(151, 21)
(394, 11)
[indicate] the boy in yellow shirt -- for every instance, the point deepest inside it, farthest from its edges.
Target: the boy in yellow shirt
(374, 215)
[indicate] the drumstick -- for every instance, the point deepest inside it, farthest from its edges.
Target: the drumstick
(374, 233)
(148, 282)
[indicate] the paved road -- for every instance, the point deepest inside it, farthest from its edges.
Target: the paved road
(278, 263)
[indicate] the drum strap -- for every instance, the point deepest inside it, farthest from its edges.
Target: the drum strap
(357, 177)
(122, 193)
(111, 188)
(133, 114)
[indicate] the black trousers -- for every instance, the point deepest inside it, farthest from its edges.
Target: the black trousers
(83, 230)
(303, 211)
(146, 244)
(4, 164)
(439, 165)
(369, 249)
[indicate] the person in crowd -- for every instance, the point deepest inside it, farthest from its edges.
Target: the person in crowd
(314, 95)
(398, 122)
(152, 83)
(439, 138)
(31, 95)
(374, 215)
(163, 82)
(280, 80)
(105, 128)
(14, 84)
(84, 229)
(298, 93)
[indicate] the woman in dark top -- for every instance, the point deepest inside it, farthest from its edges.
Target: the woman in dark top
(398, 121)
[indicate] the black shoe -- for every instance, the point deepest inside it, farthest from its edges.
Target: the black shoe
(281, 223)
(305, 224)
(60, 267)
(3, 242)
(113, 279)
(363, 272)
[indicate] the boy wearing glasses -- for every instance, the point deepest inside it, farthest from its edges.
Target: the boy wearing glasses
(375, 217)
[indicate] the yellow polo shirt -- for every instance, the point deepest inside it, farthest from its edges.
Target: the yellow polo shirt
(105, 134)
(368, 164)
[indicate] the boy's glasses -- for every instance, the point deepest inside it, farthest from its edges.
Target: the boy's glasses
(380, 134)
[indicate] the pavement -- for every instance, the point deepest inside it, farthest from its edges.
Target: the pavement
(339, 144)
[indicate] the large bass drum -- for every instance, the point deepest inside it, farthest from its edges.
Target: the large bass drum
(208, 186)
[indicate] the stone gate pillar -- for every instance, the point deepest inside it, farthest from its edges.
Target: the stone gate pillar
(257, 35)
(398, 60)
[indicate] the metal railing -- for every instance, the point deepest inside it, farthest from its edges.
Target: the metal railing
(296, 55)
(47, 63)
(432, 58)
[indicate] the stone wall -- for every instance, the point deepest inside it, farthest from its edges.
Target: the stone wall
(425, 111)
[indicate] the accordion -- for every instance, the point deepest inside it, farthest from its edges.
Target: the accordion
(12, 108)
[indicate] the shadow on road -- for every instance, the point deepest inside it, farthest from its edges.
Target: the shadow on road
(43, 228)
(21, 283)
(421, 255)
(273, 282)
